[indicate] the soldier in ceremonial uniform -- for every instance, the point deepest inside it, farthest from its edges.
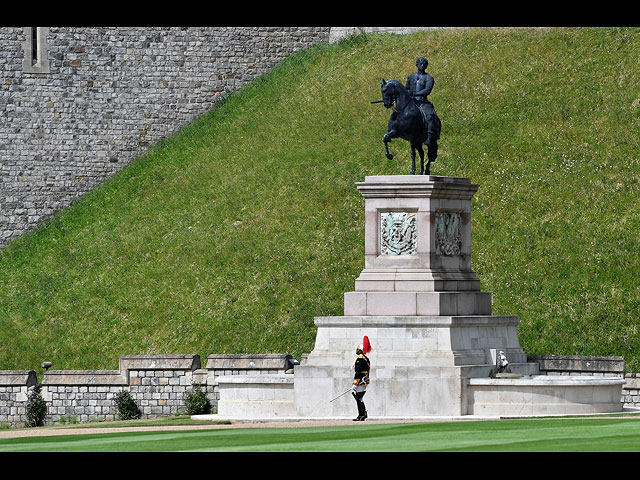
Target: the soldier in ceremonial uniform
(361, 378)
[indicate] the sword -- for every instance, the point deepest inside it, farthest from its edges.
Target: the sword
(343, 393)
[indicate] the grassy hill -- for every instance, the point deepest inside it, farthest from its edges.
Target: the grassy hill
(234, 233)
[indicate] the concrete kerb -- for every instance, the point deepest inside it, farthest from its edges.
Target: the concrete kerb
(422, 419)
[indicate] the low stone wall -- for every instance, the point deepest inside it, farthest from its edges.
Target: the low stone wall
(592, 366)
(631, 391)
(14, 386)
(157, 383)
(84, 394)
(257, 396)
(243, 365)
(544, 395)
(579, 365)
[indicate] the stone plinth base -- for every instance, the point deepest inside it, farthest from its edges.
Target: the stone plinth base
(256, 396)
(417, 303)
(544, 395)
(417, 340)
(420, 364)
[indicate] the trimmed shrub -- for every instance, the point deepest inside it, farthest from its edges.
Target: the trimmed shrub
(36, 408)
(197, 401)
(126, 405)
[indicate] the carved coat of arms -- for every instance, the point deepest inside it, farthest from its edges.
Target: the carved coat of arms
(398, 235)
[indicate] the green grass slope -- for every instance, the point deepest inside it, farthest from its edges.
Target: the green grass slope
(234, 233)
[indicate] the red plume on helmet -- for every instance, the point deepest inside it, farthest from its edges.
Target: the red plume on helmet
(366, 346)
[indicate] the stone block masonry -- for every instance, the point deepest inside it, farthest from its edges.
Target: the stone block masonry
(592, 366)
(105, 95)
(14, 387)
(157, 383)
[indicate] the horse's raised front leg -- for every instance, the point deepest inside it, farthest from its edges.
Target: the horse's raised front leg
(387, 139)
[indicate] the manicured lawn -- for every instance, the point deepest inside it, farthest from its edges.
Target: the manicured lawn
(613, 434)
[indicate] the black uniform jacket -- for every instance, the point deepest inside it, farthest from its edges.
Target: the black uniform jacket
(362, 367)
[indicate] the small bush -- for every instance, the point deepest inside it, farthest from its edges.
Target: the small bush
(68, 419)
(197, 401)
(126, 405)
(36, 408)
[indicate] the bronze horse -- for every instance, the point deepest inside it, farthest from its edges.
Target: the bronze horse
(408, 122)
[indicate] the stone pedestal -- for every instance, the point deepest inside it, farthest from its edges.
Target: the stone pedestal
(417, 234)
(435, 341)
(417, 249)
(419, 302)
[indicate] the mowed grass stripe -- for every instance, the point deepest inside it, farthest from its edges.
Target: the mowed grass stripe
(539, 435)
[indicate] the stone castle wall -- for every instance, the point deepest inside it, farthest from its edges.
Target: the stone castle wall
(89, 100)
(100, 96)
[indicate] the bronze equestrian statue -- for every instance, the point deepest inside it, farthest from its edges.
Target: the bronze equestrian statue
(414, 117)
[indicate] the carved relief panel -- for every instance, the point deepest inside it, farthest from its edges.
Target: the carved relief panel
(448, 233)
(398, 233)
